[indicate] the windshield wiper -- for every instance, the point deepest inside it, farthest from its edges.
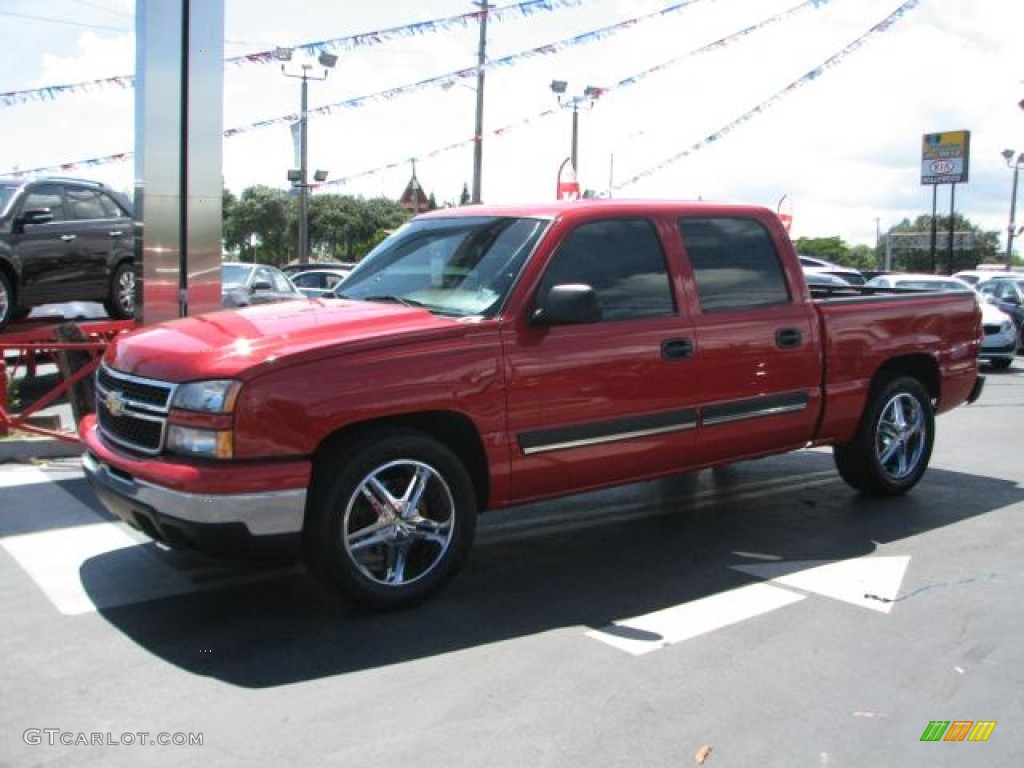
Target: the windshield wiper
(387, 298)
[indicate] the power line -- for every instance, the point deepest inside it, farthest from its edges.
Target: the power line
(99, 7)
(29, 17)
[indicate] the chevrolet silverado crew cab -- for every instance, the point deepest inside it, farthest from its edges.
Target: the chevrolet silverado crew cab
(483, 357)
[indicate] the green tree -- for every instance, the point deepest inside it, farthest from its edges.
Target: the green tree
(911, 245)
(464, 198)
(260, 225)
(832, 249)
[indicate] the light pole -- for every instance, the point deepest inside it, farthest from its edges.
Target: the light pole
(589, 96)
(1011, 229)
(478, 135)
(300, 177)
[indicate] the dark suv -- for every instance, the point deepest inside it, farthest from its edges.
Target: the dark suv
(64, 240)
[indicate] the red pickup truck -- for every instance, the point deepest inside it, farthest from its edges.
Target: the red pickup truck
(488, 356)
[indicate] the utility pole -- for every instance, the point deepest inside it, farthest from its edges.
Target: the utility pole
(478, 135)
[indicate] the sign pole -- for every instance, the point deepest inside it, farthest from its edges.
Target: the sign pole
(949, 248)
(935, 224)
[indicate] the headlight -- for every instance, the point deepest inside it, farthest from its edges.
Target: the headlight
(216, 396)
(1007, 327)
(208, 443)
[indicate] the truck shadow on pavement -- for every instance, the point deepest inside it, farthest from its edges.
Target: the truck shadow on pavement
(583, 562)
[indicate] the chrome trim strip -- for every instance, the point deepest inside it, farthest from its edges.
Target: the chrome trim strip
(263, 514)
(131, 378)
(583, 442)
(772, 411)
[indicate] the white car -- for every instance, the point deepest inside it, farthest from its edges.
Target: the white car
(812, 265)
(1000, 342)
(975, 276)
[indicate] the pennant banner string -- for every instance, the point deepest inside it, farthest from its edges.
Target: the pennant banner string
(812, 75)
(351, 42)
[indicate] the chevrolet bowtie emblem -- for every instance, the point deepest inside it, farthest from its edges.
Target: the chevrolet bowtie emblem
(115, 403)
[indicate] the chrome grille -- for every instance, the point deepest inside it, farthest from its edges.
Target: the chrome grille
(132, 411)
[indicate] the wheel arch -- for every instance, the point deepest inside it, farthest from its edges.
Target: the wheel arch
(922, 367)
(454, 430)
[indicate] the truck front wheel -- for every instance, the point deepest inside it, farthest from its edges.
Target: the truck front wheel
(390, 519)
(893, 445)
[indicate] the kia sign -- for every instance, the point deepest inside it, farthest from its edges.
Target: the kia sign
(944, 157)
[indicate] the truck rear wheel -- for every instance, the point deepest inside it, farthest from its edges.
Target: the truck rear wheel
(893, 445)
(390, 519)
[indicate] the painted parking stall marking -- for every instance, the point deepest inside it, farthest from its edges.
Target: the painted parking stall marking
(653, 631)
(83, 562)
(867, 582)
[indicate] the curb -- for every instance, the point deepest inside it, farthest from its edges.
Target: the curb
(25, 450)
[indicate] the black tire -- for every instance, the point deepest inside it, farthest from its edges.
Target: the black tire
(8, 310)
(1000, 363)
(893, 445)
(122, 295)
(375, 549)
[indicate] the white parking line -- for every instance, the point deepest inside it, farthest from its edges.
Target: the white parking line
(653, 631)
(73, 567)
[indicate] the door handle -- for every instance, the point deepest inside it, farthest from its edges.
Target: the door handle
(677, 349)
(115, 233)
(68, 238)
(787, 338)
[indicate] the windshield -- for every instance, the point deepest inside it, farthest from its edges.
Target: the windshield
(459, 266)
(6, 193)
(234, 274)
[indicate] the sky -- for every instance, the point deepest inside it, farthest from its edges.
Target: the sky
(817, 107)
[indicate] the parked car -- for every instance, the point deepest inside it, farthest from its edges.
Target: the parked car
(245, 284)
(824, 280)
(318, 283)
(64, 240)
(1001, 339)
(976, 276)
(295, 267)
(812, 265)
(1007, 291)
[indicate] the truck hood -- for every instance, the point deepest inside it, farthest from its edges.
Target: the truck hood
(242, 342)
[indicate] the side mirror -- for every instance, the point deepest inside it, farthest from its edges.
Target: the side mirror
(33, 216)
(568, 304)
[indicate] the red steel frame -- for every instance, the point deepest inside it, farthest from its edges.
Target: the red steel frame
(38, 341)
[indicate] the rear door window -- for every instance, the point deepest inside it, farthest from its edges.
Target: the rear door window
(735, 264)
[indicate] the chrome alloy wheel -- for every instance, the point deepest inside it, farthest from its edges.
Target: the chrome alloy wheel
(125, 291)
(399, 522)
(901, 437)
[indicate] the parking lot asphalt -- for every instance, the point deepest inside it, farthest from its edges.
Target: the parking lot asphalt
(757, 615)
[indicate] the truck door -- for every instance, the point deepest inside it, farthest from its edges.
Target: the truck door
(757, 350)
(600, 402)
